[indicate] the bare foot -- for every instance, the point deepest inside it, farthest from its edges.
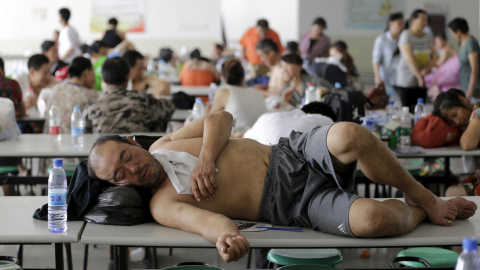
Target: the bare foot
(465, 208)
(438, 211)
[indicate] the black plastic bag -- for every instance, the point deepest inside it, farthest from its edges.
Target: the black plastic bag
(119, 205)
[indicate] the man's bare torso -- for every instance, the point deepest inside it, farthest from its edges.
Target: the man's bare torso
(242, 168)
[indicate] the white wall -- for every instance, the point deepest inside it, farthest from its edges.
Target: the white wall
(167, 22)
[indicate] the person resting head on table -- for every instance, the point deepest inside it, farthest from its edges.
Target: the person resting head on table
(305, 180)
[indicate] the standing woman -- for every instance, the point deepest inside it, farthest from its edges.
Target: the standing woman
(417, 59)
(384, 64)
(314, 43)
(469, 59)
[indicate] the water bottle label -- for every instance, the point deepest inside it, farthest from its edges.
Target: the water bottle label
(54, 130)
(57, 197)
(77, 132)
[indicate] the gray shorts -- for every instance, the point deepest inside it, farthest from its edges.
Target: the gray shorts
(302, 188)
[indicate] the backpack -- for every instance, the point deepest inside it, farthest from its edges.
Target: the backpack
(330, 72)
(348, 105)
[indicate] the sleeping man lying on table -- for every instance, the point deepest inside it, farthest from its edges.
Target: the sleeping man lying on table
(305, 180)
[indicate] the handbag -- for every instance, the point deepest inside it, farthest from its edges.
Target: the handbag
(378, 98)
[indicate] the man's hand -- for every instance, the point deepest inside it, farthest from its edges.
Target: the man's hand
(288, 94)
(202, 180)
(232, 246)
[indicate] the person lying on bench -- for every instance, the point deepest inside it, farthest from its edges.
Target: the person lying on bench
(305, 180)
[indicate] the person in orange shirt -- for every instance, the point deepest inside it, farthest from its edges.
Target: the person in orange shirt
(198, 71)
(250, 39)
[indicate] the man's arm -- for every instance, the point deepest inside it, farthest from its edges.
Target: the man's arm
(215, 130)
(473, 60)
(159, 88)
(216, 228)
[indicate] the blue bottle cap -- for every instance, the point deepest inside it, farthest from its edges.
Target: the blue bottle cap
(391, 102)
(198, 99)
(469, 243)
(76, 108)
(420, 100)
(57, 162)
(338, 85)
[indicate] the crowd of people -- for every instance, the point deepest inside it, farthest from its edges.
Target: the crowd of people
(119, 90)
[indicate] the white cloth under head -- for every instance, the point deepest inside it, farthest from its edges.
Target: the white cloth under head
(178, 166)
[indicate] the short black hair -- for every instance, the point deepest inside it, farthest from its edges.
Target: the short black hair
(36, 61)
(95, 47)
(292, 58)
(232, 71)
(166, 54)
(65, 14)
(459, 24)
(113, 21)
(320, 108)
(195, 54)
(131, 57)
(447, 100)
(441, 35)
(115, 71)
(395, 16)
(78, 66)
(46, 45)
(417, 12)
(99, 142)
(262, 23)
(267, 44)
(219, 46)
(341, 44)
(84, 48)
(320, 21)
(292, 46)
(2, 64)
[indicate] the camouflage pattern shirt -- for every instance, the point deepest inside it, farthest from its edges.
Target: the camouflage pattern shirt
(121, 111)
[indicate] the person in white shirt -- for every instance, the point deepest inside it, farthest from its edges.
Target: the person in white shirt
(244, 103)
(37, 78)
(270, 127)
(68, 39)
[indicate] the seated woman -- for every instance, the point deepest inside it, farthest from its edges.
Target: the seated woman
(297, 79)
(198, 71)
(79, 91)
(446, 75)
(454, 108)
(340, 56)
(244, 103)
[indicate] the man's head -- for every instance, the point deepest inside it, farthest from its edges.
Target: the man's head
(115, 72)
(112, 23)
(81, 69)
(64, 15)
(268, 51)
(97, 49)
(166, 54)
(318, 25)
(122, 161)
(136, 62)
(39, 70)
(262, 28)
(320, 108)
(49, 49)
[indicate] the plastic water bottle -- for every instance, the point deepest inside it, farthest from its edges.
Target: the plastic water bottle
(197, 111)
(405, 128)
(211, 92)
(78, 127)
(469, 258)
(54, 121)
(57, 198)
(338, 85)
(420, 110)
(302, 104)
(162, 69)
(391, 111)
(310, 93)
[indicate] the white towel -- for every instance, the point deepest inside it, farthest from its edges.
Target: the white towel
(178, 166)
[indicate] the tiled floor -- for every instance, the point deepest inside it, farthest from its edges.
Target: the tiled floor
(98, 258)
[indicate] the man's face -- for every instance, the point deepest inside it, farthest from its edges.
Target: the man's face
(136, 72)
(52, 54)
(316, 30)
(89, 78)
(126, 164)
(262, 32)
(40, 77)
(269, 58)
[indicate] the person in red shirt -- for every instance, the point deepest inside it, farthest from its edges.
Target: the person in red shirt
(250, 39)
